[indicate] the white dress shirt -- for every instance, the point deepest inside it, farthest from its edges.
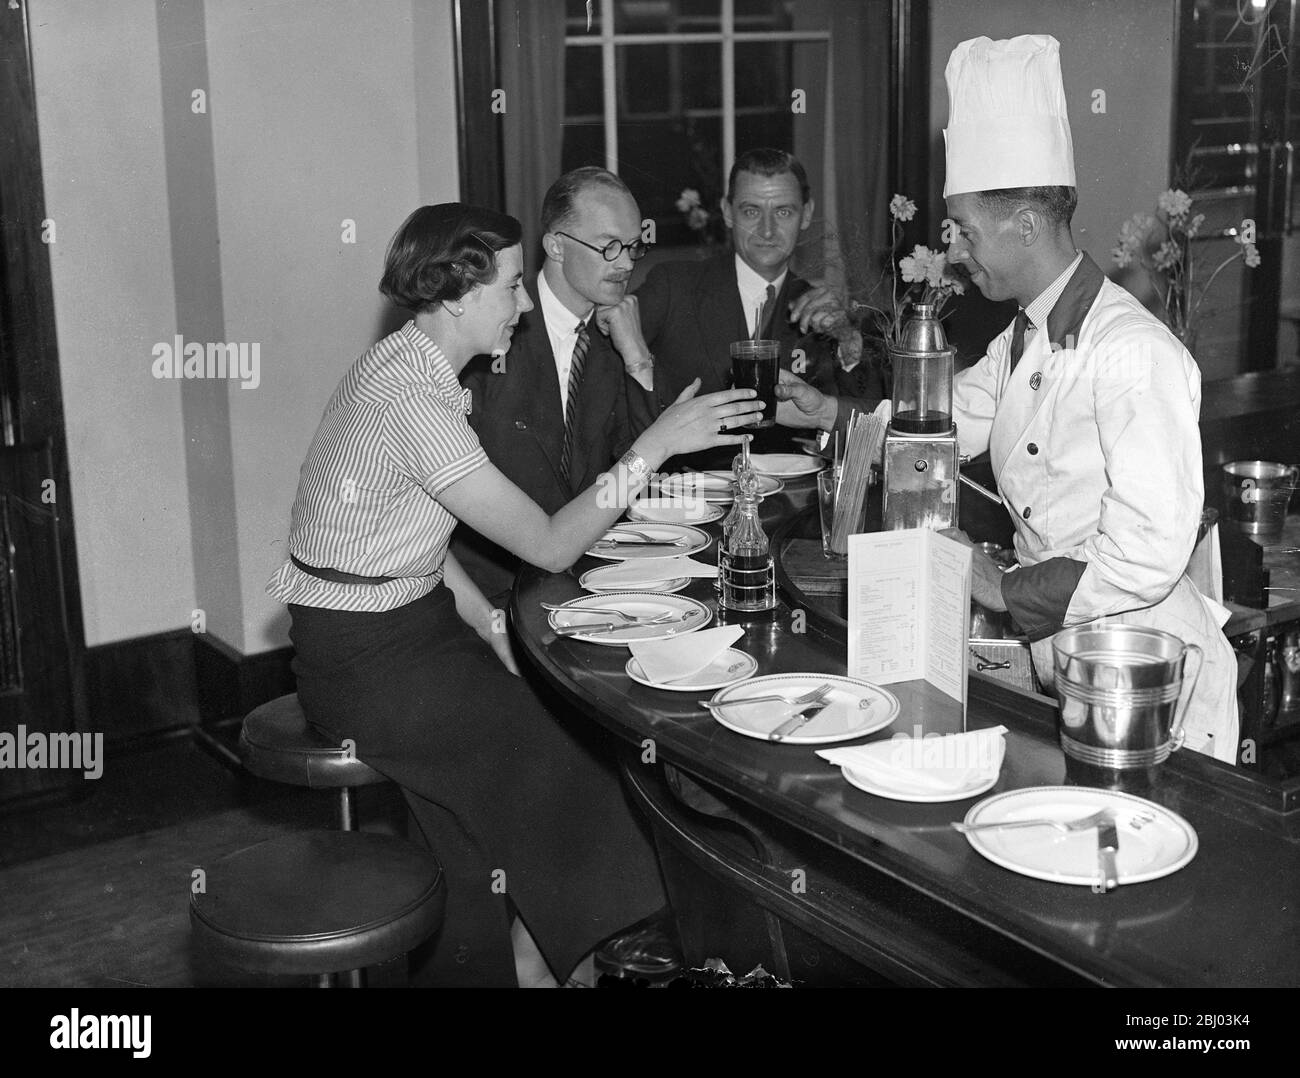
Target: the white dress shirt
(753, 290)
(562, 328)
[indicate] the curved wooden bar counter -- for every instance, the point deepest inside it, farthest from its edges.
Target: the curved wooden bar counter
(771, 857)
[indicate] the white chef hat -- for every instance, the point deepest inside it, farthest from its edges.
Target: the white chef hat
(1007, 123)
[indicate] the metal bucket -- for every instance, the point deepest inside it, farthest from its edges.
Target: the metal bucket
(1118, 688)
(1255, 497)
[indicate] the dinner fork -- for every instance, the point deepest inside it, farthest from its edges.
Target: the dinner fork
(604, 610)
(639, 542)
(815, 697)
(609, 626)
(622, 530)
(1084, 823)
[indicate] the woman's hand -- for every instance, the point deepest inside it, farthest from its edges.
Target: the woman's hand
(692, 423)
(500, 643)
(490, 623)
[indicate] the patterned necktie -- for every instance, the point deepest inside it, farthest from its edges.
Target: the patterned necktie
(1018, 338)
(766, 314)
(571, 402)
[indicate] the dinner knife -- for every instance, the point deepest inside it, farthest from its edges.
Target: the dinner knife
(1107, 847)
(641, 542)
(795, 721)
(595, 627)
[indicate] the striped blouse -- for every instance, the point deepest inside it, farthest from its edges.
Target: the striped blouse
(393, 437)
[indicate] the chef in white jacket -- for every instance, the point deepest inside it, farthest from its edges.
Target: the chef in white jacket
(1087, 404)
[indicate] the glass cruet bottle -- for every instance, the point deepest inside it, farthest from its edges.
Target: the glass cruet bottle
(738, 468)
(747, 570)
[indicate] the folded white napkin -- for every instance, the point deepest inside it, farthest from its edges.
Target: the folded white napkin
(938, 764)
(681, 656)
(640, 571)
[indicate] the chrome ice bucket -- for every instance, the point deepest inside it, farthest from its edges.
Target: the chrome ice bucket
(1118, 688)
(1256, 494)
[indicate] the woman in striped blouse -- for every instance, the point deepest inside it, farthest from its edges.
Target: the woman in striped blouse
(399, 651)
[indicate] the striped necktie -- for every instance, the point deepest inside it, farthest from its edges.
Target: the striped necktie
(571, 402)
(765, 315)
(1018, 337)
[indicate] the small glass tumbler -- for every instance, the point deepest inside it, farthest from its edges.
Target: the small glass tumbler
(826, 504)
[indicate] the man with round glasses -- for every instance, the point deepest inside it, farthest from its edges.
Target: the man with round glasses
(614, 248)
(574, 389)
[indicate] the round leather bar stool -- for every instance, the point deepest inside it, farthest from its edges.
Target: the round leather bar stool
(276, 743)
(318, 903)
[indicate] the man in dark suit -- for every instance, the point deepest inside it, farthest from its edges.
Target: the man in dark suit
(573, 391)
(692, 311)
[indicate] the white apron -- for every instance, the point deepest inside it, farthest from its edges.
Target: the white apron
(1097, 454)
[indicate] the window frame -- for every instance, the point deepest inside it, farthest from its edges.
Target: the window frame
(608, 41)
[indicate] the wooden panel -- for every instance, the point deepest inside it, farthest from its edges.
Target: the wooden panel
(143, 685)
(231, 685)
(29, 374)
(38, 696)
(45, 600)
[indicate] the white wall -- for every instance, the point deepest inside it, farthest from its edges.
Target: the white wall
(99, 112)
(315, 121)
(1122, 47)
(317, 112)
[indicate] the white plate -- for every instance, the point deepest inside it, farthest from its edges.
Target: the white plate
(696, 541)
(1148, 848)
(638, 604)
(728, 668)
(713, 487)
(675, 511)
(877, 784)
(785, 465)
(594, 580)
(766, 483)
(856, 708)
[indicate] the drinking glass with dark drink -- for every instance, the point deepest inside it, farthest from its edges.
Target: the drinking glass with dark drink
(754, 365)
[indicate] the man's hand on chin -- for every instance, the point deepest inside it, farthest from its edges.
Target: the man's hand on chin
(800, 405)
(621, 322)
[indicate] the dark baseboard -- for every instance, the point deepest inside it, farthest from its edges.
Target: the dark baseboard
(150, 685)
(230, 684)
(141, 686)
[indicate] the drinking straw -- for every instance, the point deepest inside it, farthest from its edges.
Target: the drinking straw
(861, 445)
(758, 322)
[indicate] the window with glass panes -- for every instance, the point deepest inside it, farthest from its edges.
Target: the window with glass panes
(664, 92)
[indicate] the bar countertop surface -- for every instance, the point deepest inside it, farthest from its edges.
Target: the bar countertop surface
(1229, 918)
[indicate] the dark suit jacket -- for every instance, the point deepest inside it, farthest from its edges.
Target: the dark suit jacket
(517, 416)
(690, 314)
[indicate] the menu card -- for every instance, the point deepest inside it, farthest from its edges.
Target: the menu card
(909, 609)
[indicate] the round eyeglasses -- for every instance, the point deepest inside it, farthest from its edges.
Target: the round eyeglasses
(637, 249)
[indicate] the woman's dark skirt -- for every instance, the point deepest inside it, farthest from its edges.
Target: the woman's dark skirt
(517, 806)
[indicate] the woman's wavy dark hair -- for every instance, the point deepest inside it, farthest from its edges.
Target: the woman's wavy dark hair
(443, 251)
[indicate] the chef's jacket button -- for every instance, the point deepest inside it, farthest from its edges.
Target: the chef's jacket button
(1033, 449)
(1026, 513)
(1036, 380)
